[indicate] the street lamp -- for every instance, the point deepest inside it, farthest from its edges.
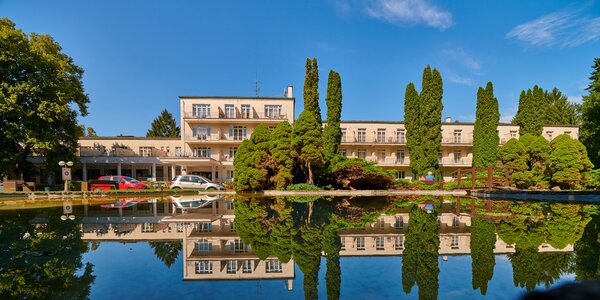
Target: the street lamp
(66, 172)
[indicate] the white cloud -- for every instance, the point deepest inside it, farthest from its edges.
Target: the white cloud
(463, 58)
(455, 78)
(564, 29)
(409, 12)
(575, 99)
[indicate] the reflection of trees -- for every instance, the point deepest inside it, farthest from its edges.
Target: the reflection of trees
(331, 247)
(531, 267)
(420, 256)
(42, 260)
(587, 250)
(166, 251)
(483, 239)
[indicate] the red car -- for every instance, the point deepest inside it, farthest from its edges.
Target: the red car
(123, 183)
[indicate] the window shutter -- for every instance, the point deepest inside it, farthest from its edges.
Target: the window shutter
(208, 132)
(230, 131)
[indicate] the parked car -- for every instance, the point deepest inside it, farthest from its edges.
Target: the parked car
(122, 182)
(194, 182)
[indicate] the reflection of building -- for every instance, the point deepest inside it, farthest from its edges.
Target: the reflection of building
(212, 250)
(387, 236)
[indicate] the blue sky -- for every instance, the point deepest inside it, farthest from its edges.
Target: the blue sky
(139, 56)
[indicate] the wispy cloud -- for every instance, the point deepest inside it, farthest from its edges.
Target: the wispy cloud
(455, 78)
(400, 12)
(564, 29)
(461, 57)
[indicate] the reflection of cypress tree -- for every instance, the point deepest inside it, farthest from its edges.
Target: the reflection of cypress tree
(420, 257)
(47, 263)
(281, 232)
(250, 219)
(483, 239)
(587, 249)
(333, 276)
(166, 251)
(531, 267)
(307, 253)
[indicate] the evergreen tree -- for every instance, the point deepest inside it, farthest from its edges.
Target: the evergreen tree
(568, 161)
(559, 111)
(431, 114)
(163, 126)
(252, 162)
(485, 134)
(311, 89)
(91, 132)
(590, 116)
(332, 247)
(531, 113)
(412, 124)
(332, 134)
(281, 152)
(308, 143)
(483, 240)
(587, 250)
(166, 251)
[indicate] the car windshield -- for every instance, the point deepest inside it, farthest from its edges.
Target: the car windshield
(130, 179)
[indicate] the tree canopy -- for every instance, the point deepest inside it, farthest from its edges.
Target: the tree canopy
(485, 133)
(531, 113)
(164, 126)
(41, 95)
(590, 116)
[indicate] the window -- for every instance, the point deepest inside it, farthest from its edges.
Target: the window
(177, 151)
(229, 174)
(399, 242)
(145, 151)
(148, 227)
(201, 132)
(381, 223)
(455, 241)
(401, 136)
(229, 111)
(457, 157)
(399, 224)
(201, 110)
(203, 246)
(232, 223)
(457, 136)
(238, 246)
(342, 243)
(246, 111)
(381, 135)
(381, 155)
(361, 153)
(549, 134)
(343, 135)
(232, 152)
(203, 227)
(343, 152)
(401, 174)
(455, 221)
(513, 134)
(201, 152)
(180, 227)
(440, 157)
(360, 243)
(237, 133)
(273, 266)
(379, 243)
(273, 111)
(204, 267)
(362, 135)
(247, 266)
(231, 266)
(568, 133)
(400, 156)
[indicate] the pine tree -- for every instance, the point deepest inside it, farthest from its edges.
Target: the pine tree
(559, 111)
(332, 134)
(412, 106)
(531, 114)
(590, 115)
(485, 134)
(91, 132)
(308, 143)
(164, 126)
(311, 88)
(281, 152)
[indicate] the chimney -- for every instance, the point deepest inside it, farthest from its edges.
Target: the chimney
(448, 120)
(288, 92)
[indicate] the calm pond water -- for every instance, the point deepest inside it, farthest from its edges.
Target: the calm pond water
(191, 247)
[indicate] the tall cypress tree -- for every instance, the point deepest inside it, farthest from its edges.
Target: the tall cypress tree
(432, 116)
(531, 114)
(485, 134)
(281, 152)
(308, 143)
(590, 115)
(311, 88)
(332, 134)
(483, 240)
(164, 126)
(412, 124)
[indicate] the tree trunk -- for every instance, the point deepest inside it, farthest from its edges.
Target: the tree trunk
(310, 174)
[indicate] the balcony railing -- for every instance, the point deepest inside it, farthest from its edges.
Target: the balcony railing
(121, 152)
(373, 139)
(455, 162)
(215, 138)
(235, 116)
(454, 140)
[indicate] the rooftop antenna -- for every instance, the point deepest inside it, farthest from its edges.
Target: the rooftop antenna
(257, 86)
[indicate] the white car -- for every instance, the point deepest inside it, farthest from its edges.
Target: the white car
(194, 182)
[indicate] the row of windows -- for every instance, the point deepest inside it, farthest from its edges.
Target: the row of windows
(203, 132)
(379, 241)
(400, 155)
(206, 152)
(206, 267)
(205, 246)
(246, 111)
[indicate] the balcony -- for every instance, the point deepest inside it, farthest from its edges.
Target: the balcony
(457, 141)
(389, 161)
(373, 139)
(455, 162)
(251, 116)
(121, 152)
(221, 138)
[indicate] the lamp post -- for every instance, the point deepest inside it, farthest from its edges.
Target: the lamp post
(66, 172)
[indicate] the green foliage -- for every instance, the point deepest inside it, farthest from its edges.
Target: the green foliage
(332, 134)
(531, 268)
(247, 173)
(568, 161)
(485, 134)
(332, 247)
(422, 118)
(483, 239)
(303, 187)
(531, 113)
(167, 251)
(590, 116)
(164, 126)
(307, 143)
(311, 89)
(587, 250)
(592, 179)
(91, 132)
(420, 257)
(281, 152)
(41, 96)
(559, 111)
(356, 173)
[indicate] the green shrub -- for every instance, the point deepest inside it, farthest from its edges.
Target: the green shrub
(592, 179)
(355, 173)
(303, 187)
(401, 182)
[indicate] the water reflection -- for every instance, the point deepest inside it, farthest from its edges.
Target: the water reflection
(264, 238)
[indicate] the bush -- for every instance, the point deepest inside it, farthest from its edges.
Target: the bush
(303, 187)
(401, 182)
(592, 179)
(355, 173)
